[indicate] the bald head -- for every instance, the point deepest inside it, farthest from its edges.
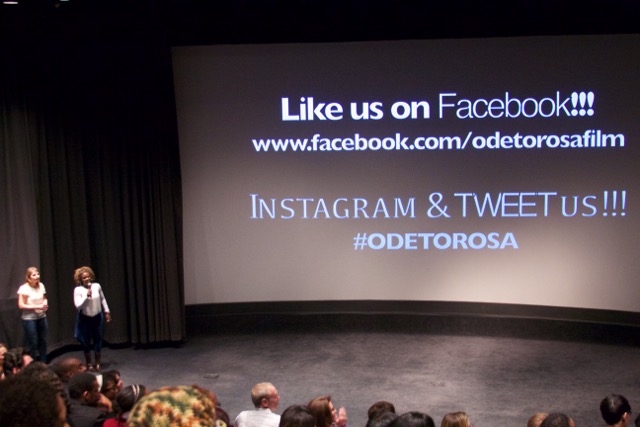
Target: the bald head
(265, 395)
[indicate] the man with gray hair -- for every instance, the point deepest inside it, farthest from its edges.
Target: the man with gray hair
(265, 399)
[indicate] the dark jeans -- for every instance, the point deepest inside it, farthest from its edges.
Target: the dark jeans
(89, 331)
(35, 337)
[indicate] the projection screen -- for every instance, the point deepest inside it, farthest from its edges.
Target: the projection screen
(477, 170)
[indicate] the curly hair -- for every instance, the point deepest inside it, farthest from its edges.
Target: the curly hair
(80, 271)
(174, 406)
(26, 401)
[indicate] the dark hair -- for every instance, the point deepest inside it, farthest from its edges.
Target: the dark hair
(13, 359)
(80, 383)
(40, 371)
(384, 419)
(613, 408)
(129, 396)
(413, 419)
(109, 379)
(28, 401)
(65, 368)
(556, 419)
(111, 375)
(379, 408)
(297, 416)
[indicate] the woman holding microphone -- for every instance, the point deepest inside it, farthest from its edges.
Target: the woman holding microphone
(93, 311)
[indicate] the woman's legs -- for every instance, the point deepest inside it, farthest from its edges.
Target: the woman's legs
(90, 336)
(30, 337)
(41, 330)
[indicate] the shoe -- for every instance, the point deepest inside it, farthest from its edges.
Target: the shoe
(98, 368)
(90, 368)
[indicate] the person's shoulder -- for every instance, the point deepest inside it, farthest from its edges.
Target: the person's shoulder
(24, 288)
(243, 413)
(240, 418)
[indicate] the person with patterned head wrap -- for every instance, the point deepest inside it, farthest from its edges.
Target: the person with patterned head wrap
(175, 406)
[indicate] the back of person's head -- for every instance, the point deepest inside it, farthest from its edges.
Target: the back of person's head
(557, 419)
(613, 408)
(13, 361)
(379, 408)
(384, 419)
(40, 371)
(456, 419)
(129, 396)
(183, 406)
(222, 417)
(28, 401)
(67, 367)
(413, 419)
(321, 410)
(261, 391)
(536, 419)
(297, 416)
(81, 383)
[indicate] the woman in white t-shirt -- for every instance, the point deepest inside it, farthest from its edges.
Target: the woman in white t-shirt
(32, 300)
(93, 311)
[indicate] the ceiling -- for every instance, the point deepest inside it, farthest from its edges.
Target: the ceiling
(187, 22)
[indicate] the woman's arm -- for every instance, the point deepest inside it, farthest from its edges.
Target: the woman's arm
(105, 306)
(80, 297)
(23, 303)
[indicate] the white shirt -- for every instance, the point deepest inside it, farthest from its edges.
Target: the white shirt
(35, 296)
(90, 306)
(259, 417)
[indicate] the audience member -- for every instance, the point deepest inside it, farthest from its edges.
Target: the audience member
(3, 350)
(413, 419)
(110, 387)
(184, 406)
(536, 419)
(40, 371)
(67, 367)
(111, 384)
(379, 408)
(15, 360)
(126, 399)
(29, 401)
(615, 410)
(297, 416)
(222, 417)
(456, 419)
(384, 419)
(265, 398)
(557, 419)
(326, 416)
(84, 392)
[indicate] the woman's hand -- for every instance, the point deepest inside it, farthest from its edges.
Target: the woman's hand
(342, 417)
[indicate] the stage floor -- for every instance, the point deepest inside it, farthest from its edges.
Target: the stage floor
(497, 381)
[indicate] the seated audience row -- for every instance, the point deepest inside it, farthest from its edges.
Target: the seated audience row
(64, 395)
